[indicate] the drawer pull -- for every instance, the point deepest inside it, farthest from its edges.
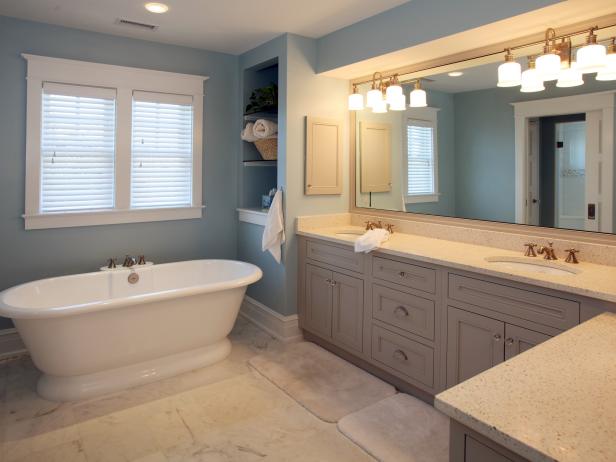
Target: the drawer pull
(400, 355)
(497, 337)
(331, 282)
(509, 342)
(401, 312)
(402, 274)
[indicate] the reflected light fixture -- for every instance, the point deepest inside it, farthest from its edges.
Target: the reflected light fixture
(609, 71)
(570, 76)
(380, 107)
(157, 8)
(356, 100)
(592, 56)
(418, 95)
(548, 64)
(510, 72)
(531, 80)
(399, 103)
(394, 90)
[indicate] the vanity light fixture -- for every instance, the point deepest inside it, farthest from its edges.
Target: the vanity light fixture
(609, 71)
(510, 72)
(393, 91)
(375, 95)
(592, 56)
(399, 103)
(418, 95)
(455, 74)
(380, 107)
(548, 64)
(531, 80)
(157, 8)
(570, 76)
(356, 100)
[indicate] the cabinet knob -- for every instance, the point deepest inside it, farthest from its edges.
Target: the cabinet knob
(402, 274)
(509, 342)
(497, 337)
(401, 312)
(400, 355)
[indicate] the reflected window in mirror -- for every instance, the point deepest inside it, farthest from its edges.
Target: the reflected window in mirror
(421, 159)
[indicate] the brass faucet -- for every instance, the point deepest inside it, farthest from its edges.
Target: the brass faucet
(571, 258)
(129, 262)
(530, 250)
(370, 225)
(547, 252)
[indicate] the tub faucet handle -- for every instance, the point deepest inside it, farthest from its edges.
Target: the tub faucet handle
(141, 260)
(129, 262)
(111, 263)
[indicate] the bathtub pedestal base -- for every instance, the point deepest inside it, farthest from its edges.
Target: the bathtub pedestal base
(79, 387)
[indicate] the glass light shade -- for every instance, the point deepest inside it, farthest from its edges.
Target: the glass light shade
(399, 103)
(609, 71)
(570, 77)
(591, 58)
(509, 74)
(392, 92)
(418, 98)
(373, 97)
(380, 107)
(548, 66)
(356, 102)
(531, 81)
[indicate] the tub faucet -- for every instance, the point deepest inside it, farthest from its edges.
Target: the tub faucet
(129, 262)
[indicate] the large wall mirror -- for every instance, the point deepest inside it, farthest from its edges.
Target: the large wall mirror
(540, 153)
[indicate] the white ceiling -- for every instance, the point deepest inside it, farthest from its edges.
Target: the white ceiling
(230, 26)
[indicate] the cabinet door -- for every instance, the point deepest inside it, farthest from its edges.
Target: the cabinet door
(323, 156)
(348, 311)
(519, 339)
(474, 344)
(479, 452)
(318, 307)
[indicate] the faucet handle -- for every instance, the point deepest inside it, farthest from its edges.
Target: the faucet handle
(571, 258)
(141, 260)
(390, 228)
(129, 261)
(111, 263)
(530, 249)
(369, 225)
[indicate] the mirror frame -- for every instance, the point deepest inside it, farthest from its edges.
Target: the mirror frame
(443, 63)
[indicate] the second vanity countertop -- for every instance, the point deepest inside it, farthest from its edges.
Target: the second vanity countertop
(592, 280)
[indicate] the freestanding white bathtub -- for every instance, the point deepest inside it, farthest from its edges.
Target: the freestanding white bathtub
(95, 333)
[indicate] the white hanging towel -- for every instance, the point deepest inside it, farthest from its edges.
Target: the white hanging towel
(264, 128)
(273, 234)
(248, 133)
(371, 240)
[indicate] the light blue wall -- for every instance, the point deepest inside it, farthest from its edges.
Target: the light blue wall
(485, 153)
(29, 255)
(413, 23)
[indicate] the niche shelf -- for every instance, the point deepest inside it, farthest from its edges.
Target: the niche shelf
(260, 163)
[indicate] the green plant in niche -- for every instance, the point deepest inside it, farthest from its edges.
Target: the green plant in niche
(263, 99)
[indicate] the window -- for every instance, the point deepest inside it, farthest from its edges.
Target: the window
(110, 144)
(421, 170)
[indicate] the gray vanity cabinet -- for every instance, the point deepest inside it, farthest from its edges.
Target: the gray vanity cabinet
(519, 339)
(319, 300)
(474, 344)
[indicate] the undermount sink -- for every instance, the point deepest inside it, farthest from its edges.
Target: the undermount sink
(533, 265)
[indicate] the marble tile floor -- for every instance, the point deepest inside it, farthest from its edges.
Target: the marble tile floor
(225, 412)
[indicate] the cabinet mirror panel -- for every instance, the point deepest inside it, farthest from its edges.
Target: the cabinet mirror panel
(538, 154)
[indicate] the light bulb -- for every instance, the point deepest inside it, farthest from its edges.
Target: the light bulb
(570, 77)
(356, 102)
(548, 66)
(609, 71)
(592, 56)
(380, 107)
(531, 80)
(399, 103)
(510, 72)
(373, 97)
(157, 8)
(393, 92)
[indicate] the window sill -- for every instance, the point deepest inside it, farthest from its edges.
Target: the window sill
(110, 217)
(421, 199)
(254, 216)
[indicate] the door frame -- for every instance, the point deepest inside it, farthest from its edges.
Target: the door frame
(523, 111)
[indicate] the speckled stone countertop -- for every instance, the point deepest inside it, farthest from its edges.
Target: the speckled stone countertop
(556, 401)
(592, 280)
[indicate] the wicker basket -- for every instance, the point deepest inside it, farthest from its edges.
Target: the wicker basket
(268, 148)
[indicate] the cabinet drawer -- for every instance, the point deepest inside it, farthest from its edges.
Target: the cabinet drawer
(416, 277)
(405, 311)
(533, 306)
(342, 257)
(409, 358)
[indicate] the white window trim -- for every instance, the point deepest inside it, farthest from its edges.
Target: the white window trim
(125, 80)
(426, 114)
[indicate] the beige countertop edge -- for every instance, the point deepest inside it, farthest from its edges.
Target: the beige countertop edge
(569, 285)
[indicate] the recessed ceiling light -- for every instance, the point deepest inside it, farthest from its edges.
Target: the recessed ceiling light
(455, 74)
(156, 7)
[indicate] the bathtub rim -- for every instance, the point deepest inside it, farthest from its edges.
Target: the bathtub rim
(19, 313)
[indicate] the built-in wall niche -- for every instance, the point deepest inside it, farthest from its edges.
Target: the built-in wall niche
(258, 175)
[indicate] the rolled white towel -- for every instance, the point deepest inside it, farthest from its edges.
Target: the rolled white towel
(264, 128)
(371, 240)
(248, 133)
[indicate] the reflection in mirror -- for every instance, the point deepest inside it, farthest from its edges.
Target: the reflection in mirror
(538, 156)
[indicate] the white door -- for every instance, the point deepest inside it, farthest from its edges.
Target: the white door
(532, 197)
(570, 176)
(598, 188)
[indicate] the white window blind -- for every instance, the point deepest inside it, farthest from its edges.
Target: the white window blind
(77, 148)
(420, 158)
(162, 150)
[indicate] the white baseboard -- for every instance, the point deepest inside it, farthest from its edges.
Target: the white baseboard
(11, 344)
(284, 328)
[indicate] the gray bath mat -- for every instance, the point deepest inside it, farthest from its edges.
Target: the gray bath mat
(323, 383)
(399, 429)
